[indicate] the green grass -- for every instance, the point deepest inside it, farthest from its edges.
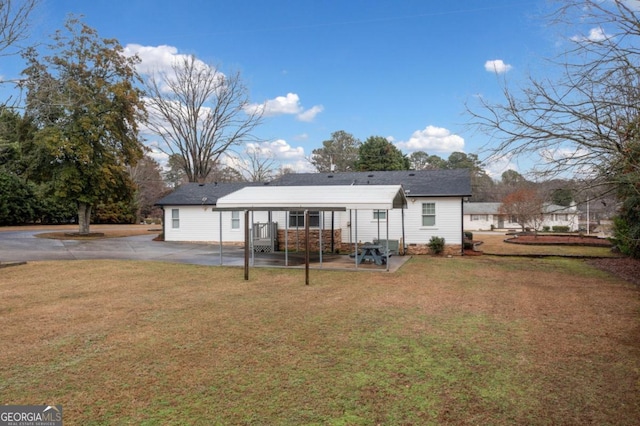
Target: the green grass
(443, 341)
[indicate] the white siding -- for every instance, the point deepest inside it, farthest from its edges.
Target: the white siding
(201, 223)
(481, 222)
(448, 221)
(550, 220)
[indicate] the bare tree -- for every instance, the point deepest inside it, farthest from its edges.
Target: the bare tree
(580, 122)
(256, 164)
(200, 113)
(14, 22)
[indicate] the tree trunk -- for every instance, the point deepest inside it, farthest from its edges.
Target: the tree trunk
(84, 218)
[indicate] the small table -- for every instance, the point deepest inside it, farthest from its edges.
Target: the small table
(372, 253)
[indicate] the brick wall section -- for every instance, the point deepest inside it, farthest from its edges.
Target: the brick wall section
(449, 249)
(297, 241)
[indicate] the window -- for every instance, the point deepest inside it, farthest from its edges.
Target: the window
(296, 219)
(235, 220)
(428, 214)
(479, 217)
(379, 215)
(562, 217)
(175, 218)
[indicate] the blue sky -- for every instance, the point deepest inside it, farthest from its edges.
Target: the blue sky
(400, 69)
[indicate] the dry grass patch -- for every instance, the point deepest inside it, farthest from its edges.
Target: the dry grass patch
(494, 244)
(464, 340)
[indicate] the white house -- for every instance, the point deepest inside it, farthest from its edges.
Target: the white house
(486, 216)
(434, 207)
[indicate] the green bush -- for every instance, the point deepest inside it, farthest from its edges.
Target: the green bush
(436, 244)
(468, 235)
(545, 228)
(560, 228)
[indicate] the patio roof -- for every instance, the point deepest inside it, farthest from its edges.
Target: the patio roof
(332, 197)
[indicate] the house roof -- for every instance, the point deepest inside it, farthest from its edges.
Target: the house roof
(494, 208)
(416, 183)
(318, 197)
(425, 183)
(481, 208)
(206, 194)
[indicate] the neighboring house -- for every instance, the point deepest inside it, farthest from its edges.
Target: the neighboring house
(434, 208)
(486, 216)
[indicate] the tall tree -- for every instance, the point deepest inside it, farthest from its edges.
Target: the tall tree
(581, 120)
(200, 113)
(481, 183)
(150, 187)
(378, 154)
(82, 97)
(512, 178)
(420, 160)
(338, 154)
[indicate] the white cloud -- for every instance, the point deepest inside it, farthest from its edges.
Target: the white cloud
(310, 114)
(496, 166)
(289, 104)
(159, 61)
(433, 139)
(281, 152)
(279, 149)
(497, 66)
(155, 153)
(596, 34)
(153, 58)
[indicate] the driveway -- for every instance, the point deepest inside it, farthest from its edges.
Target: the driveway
(24, 246)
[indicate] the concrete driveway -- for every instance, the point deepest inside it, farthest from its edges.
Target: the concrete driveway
(21, 245)
(24, 246)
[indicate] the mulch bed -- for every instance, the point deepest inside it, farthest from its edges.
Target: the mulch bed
(623, 267)
(559, 240)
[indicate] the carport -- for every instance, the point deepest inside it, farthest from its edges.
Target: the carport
(311, 198)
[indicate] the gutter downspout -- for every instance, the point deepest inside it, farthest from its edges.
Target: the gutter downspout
(404, 240)
(462, 225)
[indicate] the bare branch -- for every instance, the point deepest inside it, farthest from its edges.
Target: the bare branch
(14, 23)
(200, 113)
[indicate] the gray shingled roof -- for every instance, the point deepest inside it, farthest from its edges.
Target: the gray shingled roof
(481, 208)
(201, 194)
(425, 183)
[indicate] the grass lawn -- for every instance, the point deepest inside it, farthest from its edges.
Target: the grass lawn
(466, 340)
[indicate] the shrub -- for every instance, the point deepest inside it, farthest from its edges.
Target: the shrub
(546, 228)
(560, 228)
(468, 235)
(436, 244)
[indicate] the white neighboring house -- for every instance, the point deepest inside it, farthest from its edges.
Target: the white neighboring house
(486, 216)
(434, 208)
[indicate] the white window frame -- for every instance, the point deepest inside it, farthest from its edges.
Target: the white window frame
(380, 215)
(429, 211)
(175, 218)
(235, 220)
